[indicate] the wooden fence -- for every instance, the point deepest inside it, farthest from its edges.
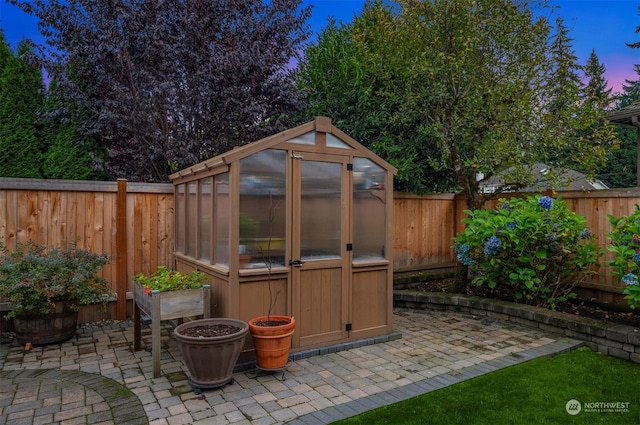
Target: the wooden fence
(425, 225)
(133, 223)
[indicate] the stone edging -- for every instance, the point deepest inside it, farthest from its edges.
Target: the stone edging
(613, 339)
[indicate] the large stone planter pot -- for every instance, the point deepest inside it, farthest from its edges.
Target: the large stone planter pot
(272, 343)
(57, 326)
(211, 360)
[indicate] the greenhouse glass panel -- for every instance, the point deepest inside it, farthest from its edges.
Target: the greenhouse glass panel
(191, 216)
(369, 217)
(180, 218)
(321, 203)
(305, 139)
(221, 221)
(263, 209)
(204, 218)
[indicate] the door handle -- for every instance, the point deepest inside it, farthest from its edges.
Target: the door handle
(296, 263)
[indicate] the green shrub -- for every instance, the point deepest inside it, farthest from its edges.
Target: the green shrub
(33, 279)
(625, 243)
(530, 250)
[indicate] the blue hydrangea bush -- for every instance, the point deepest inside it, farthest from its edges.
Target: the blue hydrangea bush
(530, 250)
(625, 244)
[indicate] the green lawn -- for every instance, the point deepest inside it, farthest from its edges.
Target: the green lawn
(535, 392)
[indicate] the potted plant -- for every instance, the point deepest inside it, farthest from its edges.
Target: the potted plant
(271, 333)
(178, 292)
(167, 294)
(272, 340)
(210, 349)
(45, 289)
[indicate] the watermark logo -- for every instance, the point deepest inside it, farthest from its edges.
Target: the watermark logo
(573, 407)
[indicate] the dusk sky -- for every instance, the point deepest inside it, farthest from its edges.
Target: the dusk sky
(603, 25)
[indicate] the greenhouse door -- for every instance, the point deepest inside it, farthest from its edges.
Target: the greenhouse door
(319, 265)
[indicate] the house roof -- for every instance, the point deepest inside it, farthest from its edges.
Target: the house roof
(626, 115)
(569, 180)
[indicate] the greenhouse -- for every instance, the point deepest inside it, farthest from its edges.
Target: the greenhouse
(297, 224)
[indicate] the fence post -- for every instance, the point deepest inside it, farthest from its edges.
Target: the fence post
(121, 250)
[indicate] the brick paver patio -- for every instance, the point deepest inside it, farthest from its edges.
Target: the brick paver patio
(96, 378)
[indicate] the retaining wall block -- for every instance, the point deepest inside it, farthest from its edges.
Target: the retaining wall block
(407, 295)
(621, 354)
(619, 333)
(513, 310)
(501, 307)
(542, 317)
(552, 329)
(423, 297)
(576, 335)
(607, 342)
(598, 328)
(592, 345)
(477, 302)
(526, 312)
(500, 316)
(438, 298)
(529, 323)
(464, 301)
(558, 319)
(634, 337)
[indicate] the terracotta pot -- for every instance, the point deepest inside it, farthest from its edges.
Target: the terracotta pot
(211, 360)
(58, 325)
(272, 343)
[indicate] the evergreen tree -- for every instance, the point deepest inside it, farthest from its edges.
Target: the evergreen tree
(620, 166)
(69, 154)
(575, 113)
(631, 90)
(5, 51)
(5, 56)
(21, 99)
(595, 92)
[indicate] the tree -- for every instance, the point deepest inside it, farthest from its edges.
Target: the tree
(573, 116)
(596, 93)
(21, 99)
(619, 170)
(168, 84)
(632, 87)
(69, 154)
(351, 76)
(470, 85)
(5, 51)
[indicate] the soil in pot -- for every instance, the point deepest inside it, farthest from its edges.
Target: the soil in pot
(270, 322)
(210, 330)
